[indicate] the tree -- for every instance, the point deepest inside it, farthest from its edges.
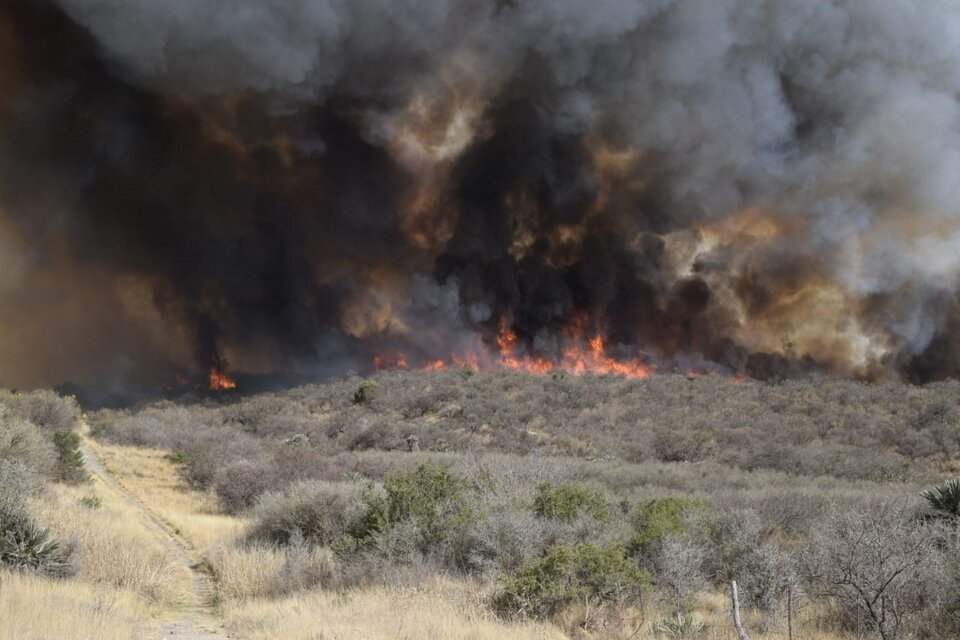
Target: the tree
(871, 561)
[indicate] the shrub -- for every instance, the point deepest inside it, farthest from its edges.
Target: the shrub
(313, 511)
(91, 501)
(566, 502)
(50, 411)
(70, 467)
(16, 482)
(567, 574)
(27, 547)
(248, 571)
(503, 541)
(430, 497)
(679, 571)
(656, 519)
(679, 626)
(306, 566)
(264, 571)
(944, 499)
(23, 442)
(23, 545)
(367, 391)
(873, 561)
(368, 517)
(238, 484)
(749, 551)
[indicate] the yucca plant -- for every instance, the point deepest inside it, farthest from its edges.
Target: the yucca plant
(32, 549)
(679, 626)
(944, 499)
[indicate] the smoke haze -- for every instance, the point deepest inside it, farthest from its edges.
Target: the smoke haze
(294, 186)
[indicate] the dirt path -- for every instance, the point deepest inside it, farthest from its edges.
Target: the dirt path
(196, 618)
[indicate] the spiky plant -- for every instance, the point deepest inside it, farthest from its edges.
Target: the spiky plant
(679, 626)
(32, 549)
(944, 499)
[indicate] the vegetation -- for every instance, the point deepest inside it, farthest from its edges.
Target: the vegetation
(27, 547)
(568, 501)
(554, 506)
(567, 574)
(70, 466)
(944, 499)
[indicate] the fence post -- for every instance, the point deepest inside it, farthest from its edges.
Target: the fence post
(735, 605)
(790, 613)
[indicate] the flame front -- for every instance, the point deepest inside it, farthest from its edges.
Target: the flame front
(581, 353)
(219, 381)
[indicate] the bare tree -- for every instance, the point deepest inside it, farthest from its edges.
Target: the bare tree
(679, 569)
(872, 561)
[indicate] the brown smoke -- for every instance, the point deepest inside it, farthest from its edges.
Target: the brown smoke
(296, 188)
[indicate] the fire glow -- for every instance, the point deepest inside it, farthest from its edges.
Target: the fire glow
(581, 353)
(219, 381)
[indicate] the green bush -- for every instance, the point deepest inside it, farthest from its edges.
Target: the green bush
(367, 391)
(429, 501)
(92, 501)
(944, 499)
(567, 574)
(679, 626)
(370, 517)
(431, 498)
(70, 467)
(655, 519)
(26, 547)
(566, 502)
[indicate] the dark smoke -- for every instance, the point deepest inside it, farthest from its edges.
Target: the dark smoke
(290, 187)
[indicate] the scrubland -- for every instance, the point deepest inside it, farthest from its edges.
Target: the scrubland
(460, 504)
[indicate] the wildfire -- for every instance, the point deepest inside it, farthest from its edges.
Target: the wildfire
(397, 361)
(219, 381)
(581, 353)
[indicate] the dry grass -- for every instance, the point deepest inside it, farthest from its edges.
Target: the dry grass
(33, 608)
(112, 543)
(441, 609)
(152, 478)
(247, 572)
(714, 612)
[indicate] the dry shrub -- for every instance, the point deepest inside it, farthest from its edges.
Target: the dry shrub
(316, 511)
(263, 571)
(50, 411)
(23, 443)
(250, 571)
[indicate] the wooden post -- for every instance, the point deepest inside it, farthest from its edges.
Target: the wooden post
(790, 613)
(735, 605)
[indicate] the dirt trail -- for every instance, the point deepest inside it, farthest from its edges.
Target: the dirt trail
(194, 619)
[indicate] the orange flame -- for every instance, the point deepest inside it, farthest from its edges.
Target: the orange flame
(394, 361)
(581, 353)
(219, 381)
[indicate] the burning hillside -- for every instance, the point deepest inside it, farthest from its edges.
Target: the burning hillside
(316, 186)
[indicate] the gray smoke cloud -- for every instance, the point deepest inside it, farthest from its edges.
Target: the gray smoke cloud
(796, 160)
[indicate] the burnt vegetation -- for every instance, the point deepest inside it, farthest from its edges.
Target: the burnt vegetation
(617, 495)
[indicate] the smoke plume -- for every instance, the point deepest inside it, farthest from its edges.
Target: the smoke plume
(299, 186)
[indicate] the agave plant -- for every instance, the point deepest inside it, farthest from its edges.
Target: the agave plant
(679, 626)
(32, 549)
(945, 499)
